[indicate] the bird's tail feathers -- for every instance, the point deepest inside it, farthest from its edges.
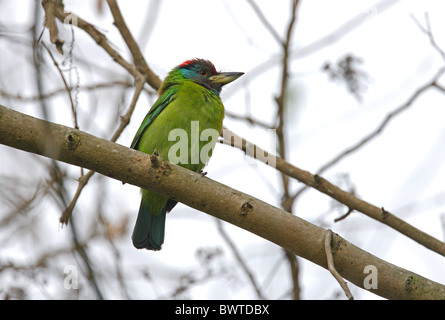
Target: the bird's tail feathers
(148, 232)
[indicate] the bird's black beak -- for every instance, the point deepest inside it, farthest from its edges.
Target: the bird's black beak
(224, 78)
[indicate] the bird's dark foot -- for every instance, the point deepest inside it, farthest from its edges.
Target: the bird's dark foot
(202, 173)
(155, 152)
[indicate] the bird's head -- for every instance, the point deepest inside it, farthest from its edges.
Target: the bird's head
(204, 73)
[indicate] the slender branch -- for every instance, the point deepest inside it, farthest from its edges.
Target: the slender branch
(344, 216)
(249, 119)
(294, 268)
(83, 180)
(91, 87)
(292, 233)
(381, 127)
(337, 34)
(99, 37)
(240, 260)
(319, 44)
(59, 187)
(265, 22)
(287, 201)
(331, 266)
(125, 119)
(139, 61)
(427, 30)
(67, 88)
(280, 100)
(149, 22)
(50, 7)
(324, 186)
(439, 87)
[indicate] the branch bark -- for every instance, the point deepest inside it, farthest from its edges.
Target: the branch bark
(296, 235)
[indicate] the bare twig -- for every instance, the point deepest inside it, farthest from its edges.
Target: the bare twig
(67, 88)
(83, 180)
(249, 119)
(343, 30)
(149, 23)
(240, 259)
(319, 44)
(344, 216)
(60, 189)
(331, 266)
(439, 87)
(139, 61)
(50, 7)
(427, 30)
(287, 201)
(125, 119)
(99, 37)
(91, 87)
(265, 22)
(381, 127)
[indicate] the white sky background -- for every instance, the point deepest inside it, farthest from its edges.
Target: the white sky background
(401, 170)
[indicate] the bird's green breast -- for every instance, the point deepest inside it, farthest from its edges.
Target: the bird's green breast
(193, 120)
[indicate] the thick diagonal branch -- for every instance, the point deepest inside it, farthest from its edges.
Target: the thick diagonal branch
(284, 229)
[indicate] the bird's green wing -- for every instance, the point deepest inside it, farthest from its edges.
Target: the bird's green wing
(155, 110)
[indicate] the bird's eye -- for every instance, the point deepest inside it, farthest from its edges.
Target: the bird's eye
(203, 73)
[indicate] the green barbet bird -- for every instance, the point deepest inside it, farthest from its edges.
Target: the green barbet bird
(188, 106)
